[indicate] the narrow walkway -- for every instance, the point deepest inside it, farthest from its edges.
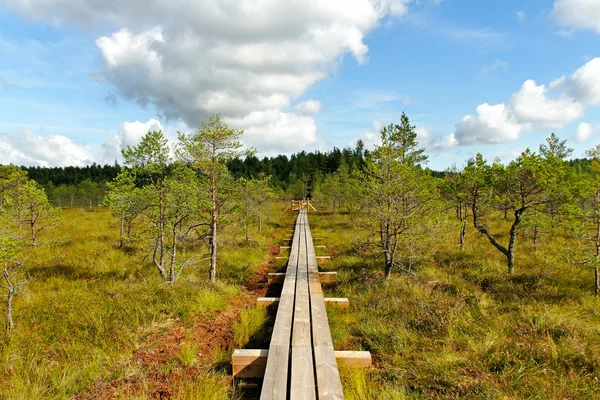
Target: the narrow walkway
(301, 361)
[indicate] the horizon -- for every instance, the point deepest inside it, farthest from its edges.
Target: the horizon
(80, 80)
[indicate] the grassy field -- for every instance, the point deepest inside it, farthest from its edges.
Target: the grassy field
(94, 321)
(466, 329)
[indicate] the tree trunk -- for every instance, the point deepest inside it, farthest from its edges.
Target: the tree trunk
(247, 228)
(387, 249)
(509, 251)
(259, 218)
(161, 228)
(388, 267)
(213, 221)
(11, 292)
(463, 232)
(159, 245)
(512, 240)
(213, 248)
(535, 237)
(33, 232)
(121, 231)
(173, 256)
(129, 222)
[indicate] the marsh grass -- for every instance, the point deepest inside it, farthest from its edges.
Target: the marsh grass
(89, 305)
(467, 329)
(250, 324)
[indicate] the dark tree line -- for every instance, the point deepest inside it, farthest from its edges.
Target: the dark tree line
(73, 175)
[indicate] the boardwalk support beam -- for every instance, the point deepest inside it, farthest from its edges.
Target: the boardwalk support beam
(340, 302)
(252, 363)
(279, 277)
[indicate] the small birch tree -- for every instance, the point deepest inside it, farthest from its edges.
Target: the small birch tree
(209, 150)
(396, 196)
(10, 262)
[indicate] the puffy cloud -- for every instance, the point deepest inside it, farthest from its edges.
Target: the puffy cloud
(131, 133)
(28, 148)
(432, 142)
(584, 132)
(492, 124)
(427, 139)
(532, 105)
(578, 14)
(274, 131)
(237, 58)
(584, 84)
(521, 15)
(309, 107)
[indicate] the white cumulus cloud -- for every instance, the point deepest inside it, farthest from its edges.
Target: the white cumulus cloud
(492, 124)
(309, 107)
(584, 84)
(584, 132)
(189, 59)
(27, 148)
(578, 14)
(534, 107)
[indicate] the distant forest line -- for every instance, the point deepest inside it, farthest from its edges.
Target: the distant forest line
(86, 186)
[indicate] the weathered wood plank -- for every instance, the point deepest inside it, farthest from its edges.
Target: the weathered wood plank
(249, 363)
(302, 385)
(301, 337)
(279, 277)
(340, 302)
(354, 359)
(276, 374)
(329, 385)
(275, 383)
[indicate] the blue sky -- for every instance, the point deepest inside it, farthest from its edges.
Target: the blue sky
(80, 80)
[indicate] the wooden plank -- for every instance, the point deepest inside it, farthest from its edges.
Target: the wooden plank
(329, 385)
(302, 373)
(327, 277)
(354, 359)
(279, 277)
(275, 381)
(249, 363)
(323, 257)
(267, 301)
(302, 385)
(275, 277)
(340, 302)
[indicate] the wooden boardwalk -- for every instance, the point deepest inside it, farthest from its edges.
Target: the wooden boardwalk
(301, 361)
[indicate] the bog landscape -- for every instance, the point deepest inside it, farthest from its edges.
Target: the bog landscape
(302, 226)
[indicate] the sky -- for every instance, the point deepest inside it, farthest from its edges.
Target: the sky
(82, 79)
